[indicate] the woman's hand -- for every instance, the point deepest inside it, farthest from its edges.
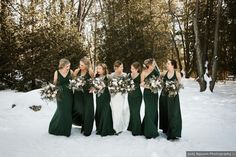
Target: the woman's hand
(91, 90)
(142, 84)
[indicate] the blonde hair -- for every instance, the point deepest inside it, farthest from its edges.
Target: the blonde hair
(104, 67)
(63, 62)
(86, 61)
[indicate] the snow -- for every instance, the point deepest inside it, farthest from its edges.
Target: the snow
(209, 123)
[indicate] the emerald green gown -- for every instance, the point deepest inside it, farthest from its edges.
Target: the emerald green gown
(170, 113)
(103, 116)
(62, 120)
(83, 108)
(78, 108)
(135, 101)
(150, 121)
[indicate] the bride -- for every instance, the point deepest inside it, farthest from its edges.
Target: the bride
(119, 103)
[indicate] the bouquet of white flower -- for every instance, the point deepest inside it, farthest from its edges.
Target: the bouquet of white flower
(129, 84)
(153, 83)
(49, 92)
(116, 85)
(172, 88)
(77, 84)
(97, 85)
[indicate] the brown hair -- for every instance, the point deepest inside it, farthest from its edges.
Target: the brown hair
(173, 62)
(104, 67)
(86, 61)
(63, 62)
(148, 62)
(117, 64)
(137, 66)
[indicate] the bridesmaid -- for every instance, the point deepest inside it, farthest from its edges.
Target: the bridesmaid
(62, 120)
(135, 100)
(83, 109)
(150, 121)
(103, 115)
(170, 114)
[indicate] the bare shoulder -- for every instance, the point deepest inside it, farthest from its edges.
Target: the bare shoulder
(91, 72)
(178, 74)
(144, 73)
(163, 73)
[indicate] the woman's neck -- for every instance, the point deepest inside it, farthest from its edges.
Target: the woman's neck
(63, 70)
(118, 73)
(101, 75)
(134, 74)
(171, 70)
(83, 72)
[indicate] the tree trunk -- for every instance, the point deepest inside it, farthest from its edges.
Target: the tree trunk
(177, 51)
(83, 9)
(72, 11)
(187, 60)
(215, 52)
(209, 11)
(199, 63)
(174, 16)
(3, 15)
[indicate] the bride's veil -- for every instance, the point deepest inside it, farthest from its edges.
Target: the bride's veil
(156, 66)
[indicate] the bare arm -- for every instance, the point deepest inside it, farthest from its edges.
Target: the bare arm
(163, 74)
(75, 73)
(55, 78)
(142, 79)
(91, 73)
(178, 75)
(71, 72)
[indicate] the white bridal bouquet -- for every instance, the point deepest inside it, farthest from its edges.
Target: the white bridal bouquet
(116, 85)
(172, 88)
(77, 84)
(153, 83)
(122, 85)
(97, 85)
(49, 92)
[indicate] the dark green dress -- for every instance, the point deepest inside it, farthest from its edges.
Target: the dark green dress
(83, 109)
(78, 108)
(62, 120)
(150, 121)
(170, 113)
(103, 114)
(135, 101)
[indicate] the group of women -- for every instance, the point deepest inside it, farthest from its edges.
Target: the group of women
(117, 113)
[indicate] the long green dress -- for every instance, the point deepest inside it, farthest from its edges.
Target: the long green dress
(83, 110)
(150, 121)
(103, 114)
(78, 108)
(170, 113)
(135, 101)
(62, 120)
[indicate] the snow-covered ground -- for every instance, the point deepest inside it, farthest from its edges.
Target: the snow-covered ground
(209, 123)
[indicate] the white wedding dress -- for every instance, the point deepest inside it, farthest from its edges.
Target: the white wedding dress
(120, 110)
